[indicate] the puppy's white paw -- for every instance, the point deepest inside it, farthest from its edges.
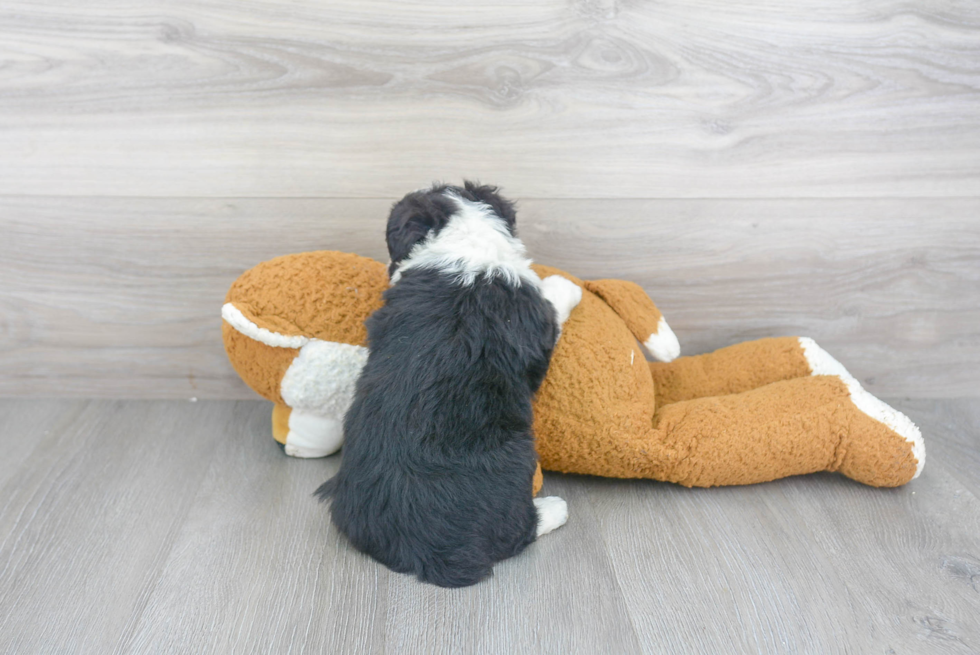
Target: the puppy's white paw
(552, 513)
(564, 294)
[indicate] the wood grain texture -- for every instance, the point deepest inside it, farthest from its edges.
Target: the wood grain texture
(167, 526)
(256, 567)
(559, 596)
(808, 564)
(89, 517)
(121, 297)
(29, 421)
(955, 439)
(242, 559)
(588, 98)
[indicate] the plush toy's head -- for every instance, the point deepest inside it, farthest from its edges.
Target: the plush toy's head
(277, 307)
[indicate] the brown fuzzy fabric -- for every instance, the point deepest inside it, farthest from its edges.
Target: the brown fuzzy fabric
(742, 367)
(280, 422)
(538, 481)
(791, 427)
(874, 454)
(740, 415)
(631, 303)
(260, 366)
(598, 391)
(323, 294)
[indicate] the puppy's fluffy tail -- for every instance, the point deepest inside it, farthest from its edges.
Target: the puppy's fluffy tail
(326, 490)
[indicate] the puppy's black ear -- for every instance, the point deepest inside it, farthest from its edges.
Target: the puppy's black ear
(405, 229)
(490, 195)
(412, 219)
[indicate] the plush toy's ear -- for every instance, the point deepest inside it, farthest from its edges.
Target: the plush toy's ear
(642, 317)
(412, 219)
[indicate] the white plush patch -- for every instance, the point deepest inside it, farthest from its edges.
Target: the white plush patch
(237, 320)
(563, 294)
(822, 363)
(313, 436)
(663, 344)
(321, 378)
(552, 513)
(474, 242)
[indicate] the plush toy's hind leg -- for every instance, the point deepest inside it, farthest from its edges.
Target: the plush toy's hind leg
(734, 369)
(856, 466)
(791, 427)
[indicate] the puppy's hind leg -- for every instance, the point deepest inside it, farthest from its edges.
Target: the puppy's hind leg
(552, 513)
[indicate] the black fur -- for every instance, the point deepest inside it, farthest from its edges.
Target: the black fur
(438, 453)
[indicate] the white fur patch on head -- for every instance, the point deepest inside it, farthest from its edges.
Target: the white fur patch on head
(822, 363)
(321, 379)
(237, 320)
(663, 343)
(474, 242)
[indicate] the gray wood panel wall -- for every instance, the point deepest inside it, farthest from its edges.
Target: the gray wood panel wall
(804, 168)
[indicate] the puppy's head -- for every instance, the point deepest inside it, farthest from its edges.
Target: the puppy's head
(422, 214)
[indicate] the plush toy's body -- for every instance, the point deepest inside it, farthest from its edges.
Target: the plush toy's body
(752, 412)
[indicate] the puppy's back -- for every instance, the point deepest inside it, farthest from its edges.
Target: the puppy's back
(439, 455)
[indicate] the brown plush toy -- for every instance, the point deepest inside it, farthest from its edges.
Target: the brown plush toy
(756, 411)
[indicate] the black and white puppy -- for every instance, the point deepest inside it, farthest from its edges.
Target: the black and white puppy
(438, 451)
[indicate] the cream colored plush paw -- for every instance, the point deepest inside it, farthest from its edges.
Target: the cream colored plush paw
(822, 363)
(313, 436)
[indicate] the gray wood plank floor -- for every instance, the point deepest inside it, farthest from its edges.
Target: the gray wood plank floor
(171, 526)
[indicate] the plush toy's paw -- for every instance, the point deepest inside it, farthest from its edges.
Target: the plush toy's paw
(663, 344)
(823, 363)
(313, 436)
(564, 294)
(552, 513)
(321, 379)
